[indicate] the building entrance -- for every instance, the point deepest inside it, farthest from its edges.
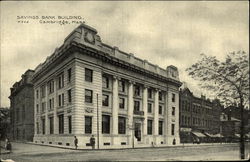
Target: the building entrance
(138, 131)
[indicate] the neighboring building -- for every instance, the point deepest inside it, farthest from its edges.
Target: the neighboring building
(199, 117)
(22, 108)
(4, 122)
(87, 87)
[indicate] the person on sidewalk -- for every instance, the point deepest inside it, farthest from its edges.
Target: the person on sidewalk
(76, 142)
(92, 142)
(8, 145)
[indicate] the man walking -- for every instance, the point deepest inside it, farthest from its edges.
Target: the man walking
(92, 142)
(76, 142)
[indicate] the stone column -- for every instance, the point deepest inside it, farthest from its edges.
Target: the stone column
(156, 115)
(145, 109)
(115, 106)
(166, 118)
(130, 111)
(46, 110)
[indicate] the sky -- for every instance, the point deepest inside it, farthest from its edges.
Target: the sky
(164, 33)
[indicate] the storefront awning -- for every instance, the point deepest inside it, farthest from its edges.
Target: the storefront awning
(237, 135)
(198, 134)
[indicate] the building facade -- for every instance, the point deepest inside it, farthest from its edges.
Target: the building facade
(22, 108)
(198, 116)
(87, 87)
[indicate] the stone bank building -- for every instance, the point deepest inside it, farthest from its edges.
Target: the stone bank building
(89, 88)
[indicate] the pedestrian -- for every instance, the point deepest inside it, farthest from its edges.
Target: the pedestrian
(8, 145)
(92, 142)
(76, 142)
(174, 141)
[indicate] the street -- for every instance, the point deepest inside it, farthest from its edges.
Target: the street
(31, 152)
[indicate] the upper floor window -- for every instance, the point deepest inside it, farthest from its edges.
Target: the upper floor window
(160, 96)
(121, 85)
(43, 107)
(88, 96)
(37, 108)
(43, 91)
(69, 75)
(69, 96)
(105, 82)
(88, 75)
(51, 103)
(37, 94)
(149, 107)
(61, 100)
(105, 100)
(150, 95)
(137, 90)
(160, 109)
(160, 130)
(137, 105)
(121, 103)
(173, 111)
(61, 81)
(173, 97)
(51, 86)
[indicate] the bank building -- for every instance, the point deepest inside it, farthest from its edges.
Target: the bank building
(87, 87)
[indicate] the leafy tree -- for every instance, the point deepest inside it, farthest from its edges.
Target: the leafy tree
(228, 79)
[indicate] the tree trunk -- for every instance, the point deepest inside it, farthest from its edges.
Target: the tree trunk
(242, 132)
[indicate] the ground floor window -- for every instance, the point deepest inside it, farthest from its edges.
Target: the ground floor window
(70, 124)
(43, 126)
(61, 123)
(88, 124)
(121, 125)
(150, 126)
(160, 128)
(105, 124)
(172, 130)
(51, 125)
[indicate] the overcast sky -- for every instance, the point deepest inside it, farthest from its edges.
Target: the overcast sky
(164, 33)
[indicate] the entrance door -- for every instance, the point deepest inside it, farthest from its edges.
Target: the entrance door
(138, 131)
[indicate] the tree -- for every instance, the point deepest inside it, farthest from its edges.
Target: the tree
(229, 80)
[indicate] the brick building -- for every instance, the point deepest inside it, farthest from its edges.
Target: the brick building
(87, 87)
(22, 108)
(199, 117)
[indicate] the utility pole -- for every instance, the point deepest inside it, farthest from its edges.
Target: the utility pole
(97, 122)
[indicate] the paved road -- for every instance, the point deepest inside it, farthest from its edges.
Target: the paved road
(29, 152)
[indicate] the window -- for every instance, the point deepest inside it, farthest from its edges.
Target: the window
(121, 103)
(172, 129)
(69, 124)
(160, 127)
(121, 125)
(61, 100)
(149, 107)
(105, 100)
(150, 127)
(160, 96)
(43, 91)
(43, 107)
(69, 96)
(105, 124)
(150, 93)
(105, 82)
(61, 123)
(88, 96)
(182, 119)
(69, 75)
(88, 124)
(51, 86)
(37, 108)
(43, 126)
(37, 128)
(137, 90)
(136, 105)
(121, 85)
(37, 94)
(61, 81)
(51, 103)
(160, 109)
(88, 75)
(173, 111)
(51, 125)
(23, 112)
(17, 114)
(173, 97)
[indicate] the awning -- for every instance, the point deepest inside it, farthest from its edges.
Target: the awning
(237, 135)
(198, 134)
(218, 135)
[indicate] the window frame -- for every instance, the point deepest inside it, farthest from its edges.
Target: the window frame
(88, 99)
(88, 75)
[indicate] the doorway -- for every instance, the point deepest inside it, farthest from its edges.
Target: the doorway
(138, 131)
